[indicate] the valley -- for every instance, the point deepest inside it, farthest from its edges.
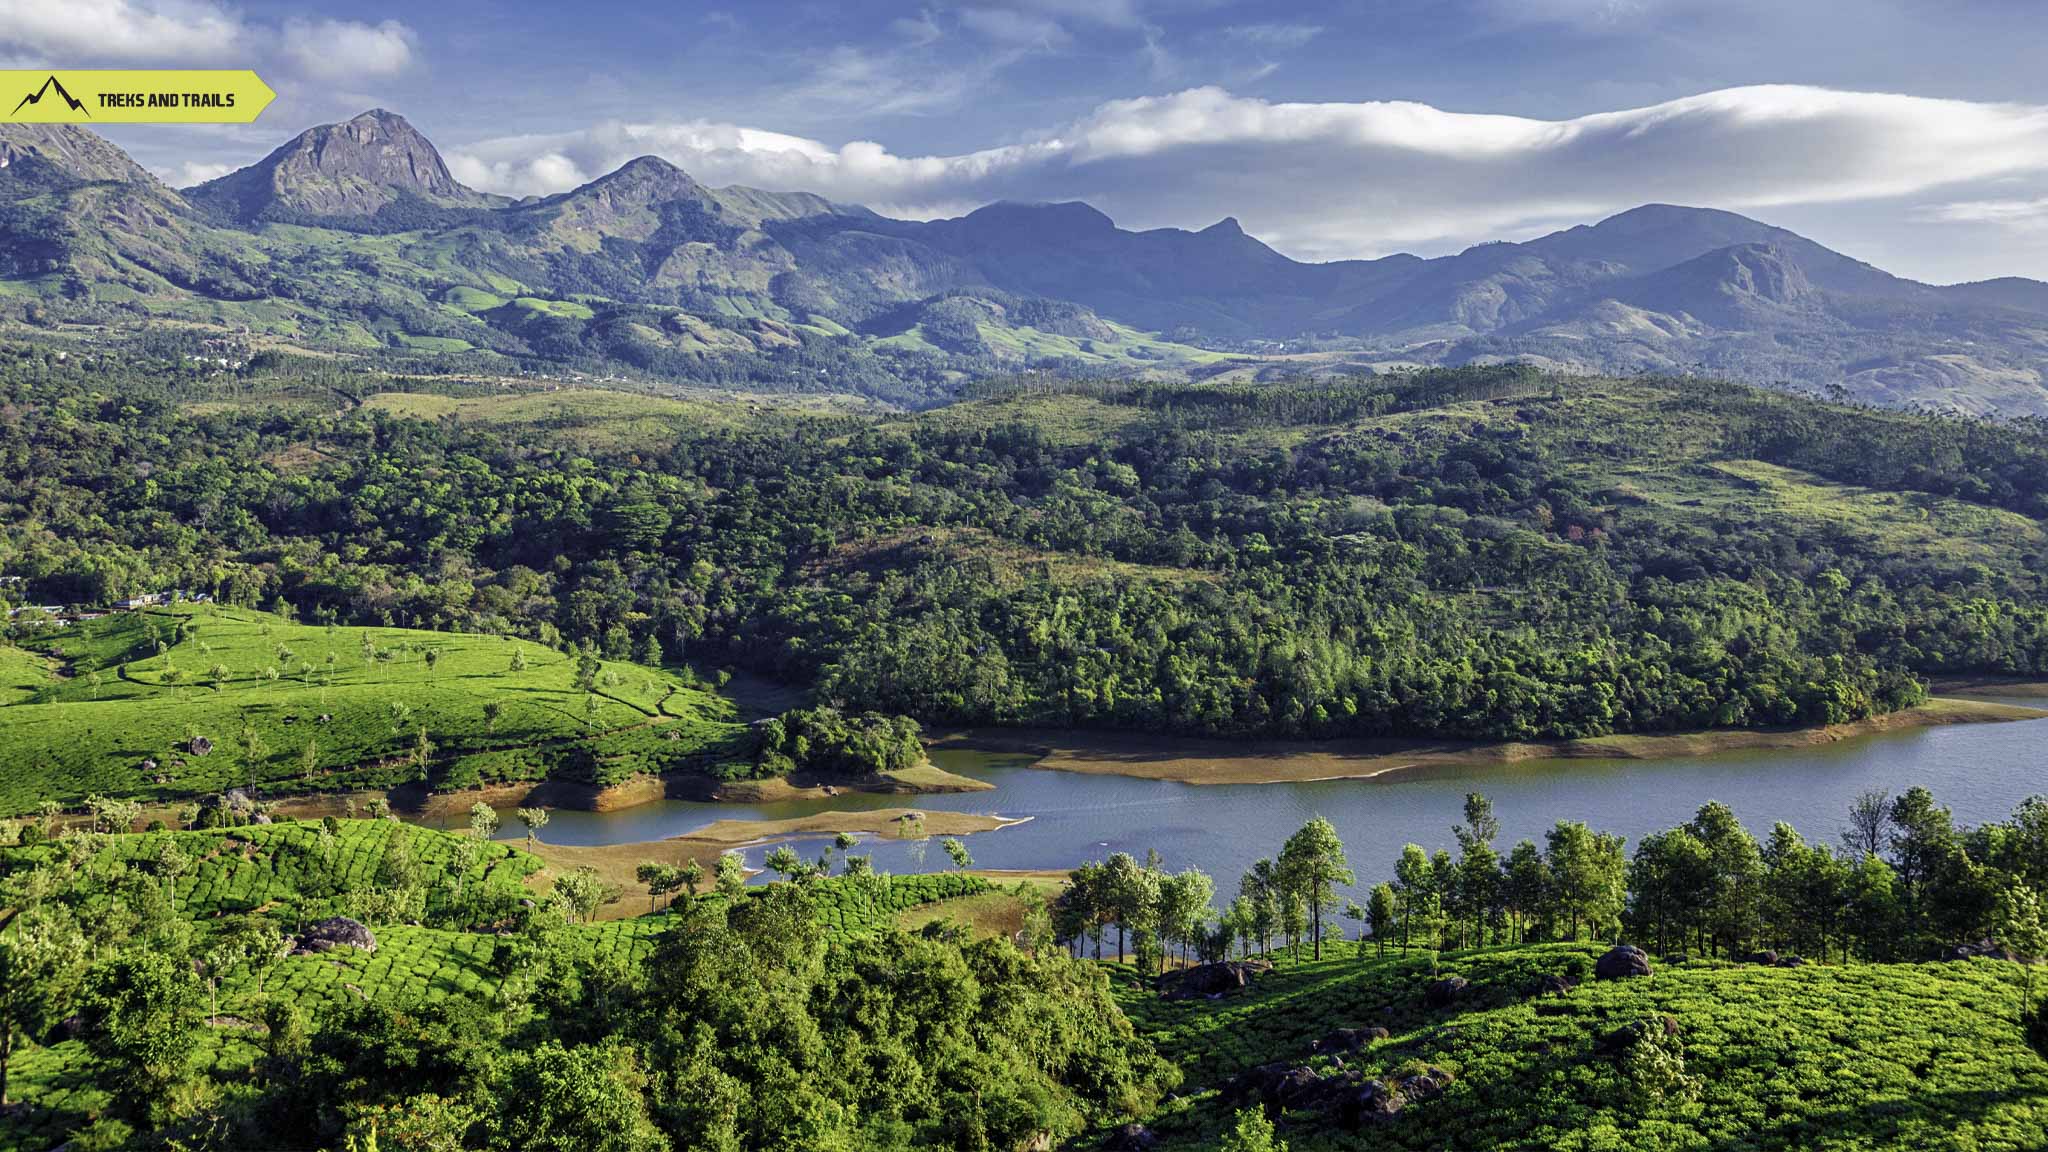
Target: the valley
(653, 667)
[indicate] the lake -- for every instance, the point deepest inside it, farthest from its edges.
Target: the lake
(1981, 771)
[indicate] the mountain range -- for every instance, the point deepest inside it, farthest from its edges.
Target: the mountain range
(356, 237)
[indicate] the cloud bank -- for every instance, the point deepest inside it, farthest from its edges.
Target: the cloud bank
(1329, 180)
(117, 31)
(89, 33)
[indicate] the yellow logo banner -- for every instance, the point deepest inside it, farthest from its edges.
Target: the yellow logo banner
(165, 96)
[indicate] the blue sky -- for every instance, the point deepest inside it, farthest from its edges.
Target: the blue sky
(1911, 134)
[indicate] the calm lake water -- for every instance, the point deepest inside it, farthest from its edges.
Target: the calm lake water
(1981, 771)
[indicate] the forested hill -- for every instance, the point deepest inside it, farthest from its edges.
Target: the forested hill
(1488, 553)
(355, 239)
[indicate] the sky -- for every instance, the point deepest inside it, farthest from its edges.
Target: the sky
(1908, 133)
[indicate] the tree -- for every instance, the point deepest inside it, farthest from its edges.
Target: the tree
(1081, 908)
(41, 954)
(732, 875)
(1870, 815)
(1312, 863)
(1670, 883)
(784, 861)
(535, 819)
(692, 874)
(246, 941)
(423, 751)
(1380, 910)
(254, 750)
(494, 710)
(483, 822)
(1587, 876)
(1252, 1132)
(1524, 882)
(1415, 880)
(585, 1099)
(1260, 889)
(583, 892)
(140, 1011)
(660, 879)
(1130, 897)
(518, 660)
(651, 653)
(2018, 921)
(957, 853)
(1184, 912)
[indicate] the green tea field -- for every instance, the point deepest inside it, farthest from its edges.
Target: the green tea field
(1858, 1056)
(176, 703)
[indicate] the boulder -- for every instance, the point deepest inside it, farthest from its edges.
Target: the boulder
(1371, 1105)
(1620, 962)
(1131, 1138)
(1791, 962)
(1428, 1084)
(234, 800)
(1214, 979)
(1298, 1087)
(1676, 958)
(1554, 986)
(1445, 992)
(1766, 957)
(200, 746)
(1348, 1039)
(337, 932)
(1280, 1086)
(69, 1028)
(1992, 949)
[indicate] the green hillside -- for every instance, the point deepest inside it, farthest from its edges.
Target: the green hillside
(297, 707)
(1855, 1056)
(472, 929)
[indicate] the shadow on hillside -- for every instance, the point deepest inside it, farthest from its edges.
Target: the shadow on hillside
(1881, 1124)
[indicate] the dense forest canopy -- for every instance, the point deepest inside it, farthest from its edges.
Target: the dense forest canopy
(1486, 552)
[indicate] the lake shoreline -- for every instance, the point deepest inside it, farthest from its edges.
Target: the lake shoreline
(617, 863)
(1191, 760)
(416, 803)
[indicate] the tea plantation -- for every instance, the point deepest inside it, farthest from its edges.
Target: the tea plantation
(187, 700)
(482, 934)
(1860, 1056)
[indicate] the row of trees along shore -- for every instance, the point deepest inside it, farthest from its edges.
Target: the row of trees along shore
(1904, 882)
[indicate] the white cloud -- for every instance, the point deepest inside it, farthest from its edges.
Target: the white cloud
(1010, 26)
(918, 32)
(84, 32)
(2017, 214)
(1273, 37)
(850, 79)
(193, 172)
(1355, 179)
(347, 49)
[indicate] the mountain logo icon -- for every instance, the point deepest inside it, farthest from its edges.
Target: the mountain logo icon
(36, 97)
